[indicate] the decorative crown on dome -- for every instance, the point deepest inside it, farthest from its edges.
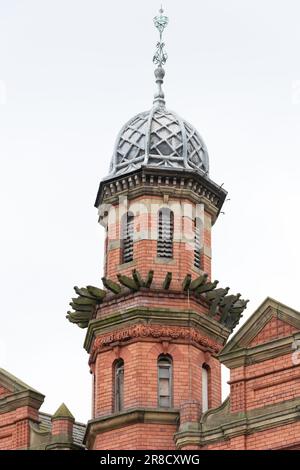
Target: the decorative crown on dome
(159, 137)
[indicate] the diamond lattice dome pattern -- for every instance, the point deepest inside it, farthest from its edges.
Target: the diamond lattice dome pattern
(159, 138)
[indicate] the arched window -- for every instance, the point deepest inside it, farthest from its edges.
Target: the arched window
(164, 364)
(165, 233)
(205, 387)
(118, 385)
(127, 231)
(198, 242)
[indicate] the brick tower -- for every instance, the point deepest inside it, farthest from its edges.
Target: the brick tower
(156, 327)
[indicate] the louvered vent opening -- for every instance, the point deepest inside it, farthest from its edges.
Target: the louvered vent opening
(165, 233)
(198, 244)
(127, 238)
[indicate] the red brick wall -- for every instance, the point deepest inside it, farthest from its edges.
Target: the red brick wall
(140, 376)
(62, 427)
(280, 437)
(265, 383)
(6, 439)
(274, 329)
(137, 436)
(4, 392)
(140, 357)
(15, 428)
(276, 438)
(169, 300)
(145, 246)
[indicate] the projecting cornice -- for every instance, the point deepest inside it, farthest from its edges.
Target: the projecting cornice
(189, 329)
(154, 181)
(118, 326)
(18, 394)
(127, 418)
(21, 399)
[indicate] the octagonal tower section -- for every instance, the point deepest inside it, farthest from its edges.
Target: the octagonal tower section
(153, 342)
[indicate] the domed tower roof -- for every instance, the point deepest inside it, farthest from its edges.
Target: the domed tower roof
(159, 137)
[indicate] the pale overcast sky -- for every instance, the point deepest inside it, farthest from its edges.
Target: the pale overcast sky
(71, 73)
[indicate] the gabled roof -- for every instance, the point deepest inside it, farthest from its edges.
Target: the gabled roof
(241, 348)
(12, 383)
(16, 393)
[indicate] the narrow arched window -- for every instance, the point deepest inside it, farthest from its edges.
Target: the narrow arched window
(127, 232)
(165, 233)
(205, 387)
(198, 242)
(164, 381)
(118, 385)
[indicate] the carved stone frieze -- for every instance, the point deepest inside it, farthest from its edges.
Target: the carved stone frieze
(170, 333)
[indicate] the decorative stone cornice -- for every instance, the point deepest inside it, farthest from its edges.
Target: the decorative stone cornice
(152, 332)
(155, 320)
(129, 417)
(262, 352)
(16, 400)
(153, 181)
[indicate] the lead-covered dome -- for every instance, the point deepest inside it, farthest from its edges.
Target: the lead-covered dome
(159, 138)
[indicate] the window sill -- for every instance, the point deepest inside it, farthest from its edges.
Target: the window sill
(164, 260)
(130, 264)
(198, 271)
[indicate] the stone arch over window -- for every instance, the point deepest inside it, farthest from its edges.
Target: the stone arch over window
(165, 379)
(127, 233)
(165, 233)
(206, 387)
(118, 385)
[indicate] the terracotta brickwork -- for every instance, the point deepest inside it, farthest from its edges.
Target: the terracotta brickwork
(15, 428)
(156, 345)
(141, 376)
(269, 382)
(138, 327)
(152, 299)
(274, 329)
(155, 352)
(4, 392)
(152, 333)
(281, 437)
(145, 259)
(137, 436)
(145, 212)
(275, 438)
(62, 427)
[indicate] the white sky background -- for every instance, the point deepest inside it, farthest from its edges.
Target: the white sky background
(71, 73)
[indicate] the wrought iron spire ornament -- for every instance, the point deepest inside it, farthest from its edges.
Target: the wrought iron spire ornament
(159, 137)
(160, 57)
(160, 22)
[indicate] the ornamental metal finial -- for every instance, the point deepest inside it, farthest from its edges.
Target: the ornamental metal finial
(160, 57)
